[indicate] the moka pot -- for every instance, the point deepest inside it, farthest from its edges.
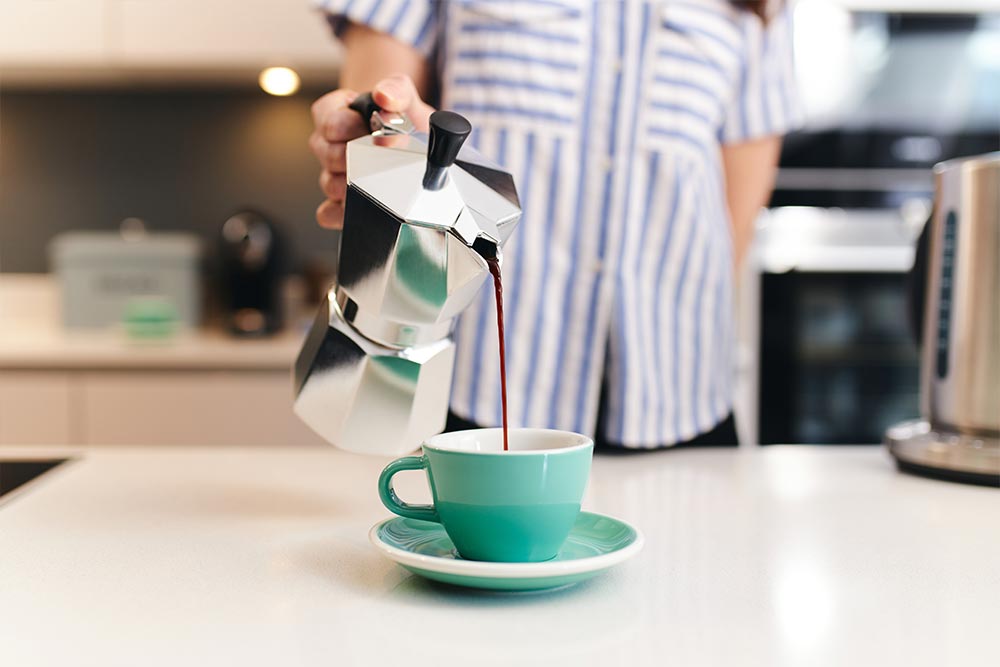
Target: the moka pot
(421, 214)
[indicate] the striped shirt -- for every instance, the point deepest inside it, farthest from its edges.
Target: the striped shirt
(611, 115)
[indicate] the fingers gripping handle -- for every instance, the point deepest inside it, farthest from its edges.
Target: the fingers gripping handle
(365, 105)
(392, 501)
(448, 131)
(378, 120)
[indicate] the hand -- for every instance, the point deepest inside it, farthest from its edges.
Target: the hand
(335, 125)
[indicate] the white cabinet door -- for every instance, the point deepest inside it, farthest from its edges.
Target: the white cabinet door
(221, 33)
(35, 408)
(53, 32)
(191, 408)
(209, 39)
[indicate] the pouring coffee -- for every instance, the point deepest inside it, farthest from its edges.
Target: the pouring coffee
(423, 216)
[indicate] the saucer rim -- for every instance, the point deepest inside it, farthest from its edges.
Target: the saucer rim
(502, 570)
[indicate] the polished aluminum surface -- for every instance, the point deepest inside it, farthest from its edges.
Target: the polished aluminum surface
(374, 375)
(406, 274)
(960, 382)
(384, 123)
(474, 201)
(386, 332)
(407, 252)
(367, 398)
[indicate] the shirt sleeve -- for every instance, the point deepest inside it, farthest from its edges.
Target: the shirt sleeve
(766, 99)
(413, 22)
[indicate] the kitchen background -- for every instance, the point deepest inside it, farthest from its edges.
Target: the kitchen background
(122, 108)
(177, 159)
(151, 109)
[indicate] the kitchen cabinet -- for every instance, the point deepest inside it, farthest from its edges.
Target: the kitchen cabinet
(36, 407)
(82, 387)
(190, 407)
(150, 407)
(53, 33)
(229, 33)
(50, 41)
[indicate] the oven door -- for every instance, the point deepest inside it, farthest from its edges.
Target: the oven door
(838, 362)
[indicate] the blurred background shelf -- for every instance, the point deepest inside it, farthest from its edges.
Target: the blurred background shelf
(99, 387)
(52, 42)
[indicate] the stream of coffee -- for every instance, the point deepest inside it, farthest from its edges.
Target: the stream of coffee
(494, 264)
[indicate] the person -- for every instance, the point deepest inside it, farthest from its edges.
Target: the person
(644, 137)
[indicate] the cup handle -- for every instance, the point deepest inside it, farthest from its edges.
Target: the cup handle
(392, 501)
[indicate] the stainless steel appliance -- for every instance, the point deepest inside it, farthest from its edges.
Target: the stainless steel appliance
(959, 433)
(837, 360)
(421, 215)
(888, 93)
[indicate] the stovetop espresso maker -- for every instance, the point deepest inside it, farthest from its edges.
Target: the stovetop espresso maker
(421, 214)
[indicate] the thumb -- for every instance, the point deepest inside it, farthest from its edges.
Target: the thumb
(397, 93)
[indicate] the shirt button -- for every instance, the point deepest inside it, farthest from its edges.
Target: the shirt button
(617, 65)
(607, 164)
(596, 265)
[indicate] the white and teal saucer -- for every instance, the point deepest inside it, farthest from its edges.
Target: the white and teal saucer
(596, 543)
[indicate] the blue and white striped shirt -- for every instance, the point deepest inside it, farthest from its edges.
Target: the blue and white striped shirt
(611, 115)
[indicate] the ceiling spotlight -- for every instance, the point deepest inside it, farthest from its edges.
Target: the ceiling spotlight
(279, 81)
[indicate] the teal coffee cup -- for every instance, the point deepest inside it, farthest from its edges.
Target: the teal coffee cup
(513, 506)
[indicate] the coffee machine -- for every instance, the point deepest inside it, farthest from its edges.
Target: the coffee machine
(251, 266)
(958, 435)
(421, 216)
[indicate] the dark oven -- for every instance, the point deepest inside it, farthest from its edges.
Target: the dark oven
(837, 362)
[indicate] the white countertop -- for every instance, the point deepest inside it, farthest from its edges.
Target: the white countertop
(32, 337)
(771, 556)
